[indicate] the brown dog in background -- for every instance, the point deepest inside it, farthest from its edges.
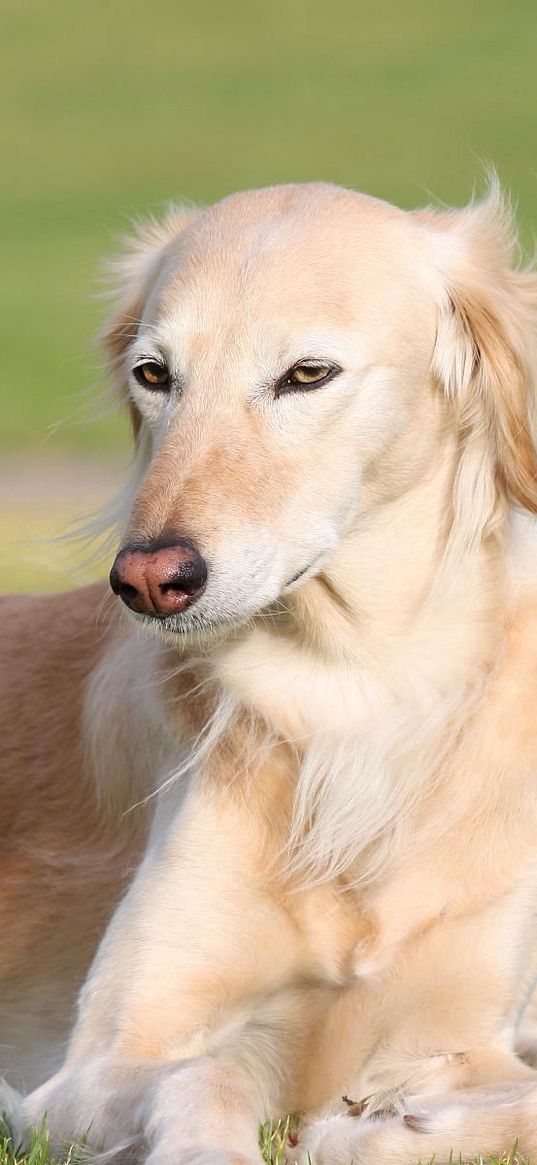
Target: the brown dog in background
(303, 744)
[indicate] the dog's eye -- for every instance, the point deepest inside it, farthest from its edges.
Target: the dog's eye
(152, 375)
(307, 374)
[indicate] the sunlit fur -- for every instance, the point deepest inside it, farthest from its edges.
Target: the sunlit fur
(322, 793)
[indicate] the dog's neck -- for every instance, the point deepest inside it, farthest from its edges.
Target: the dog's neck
(373, 674)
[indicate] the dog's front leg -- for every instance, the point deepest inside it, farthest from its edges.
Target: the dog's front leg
(208, 1110)
(432, 1036)
(200, 946)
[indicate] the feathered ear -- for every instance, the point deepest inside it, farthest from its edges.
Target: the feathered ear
(130, 278)
(486, 348)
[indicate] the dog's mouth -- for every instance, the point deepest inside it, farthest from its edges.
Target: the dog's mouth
(296, 577)
(197, 626)
(309, 570)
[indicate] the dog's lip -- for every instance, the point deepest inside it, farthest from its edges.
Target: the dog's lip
(175, 625)
(304, 570)
(296, 577)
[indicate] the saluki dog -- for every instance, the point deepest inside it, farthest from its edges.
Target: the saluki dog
(269, 816)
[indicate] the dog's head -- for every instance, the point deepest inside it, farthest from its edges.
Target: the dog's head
(295, 357)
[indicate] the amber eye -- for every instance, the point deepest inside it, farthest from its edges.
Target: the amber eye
(307, 374)
(152, 375)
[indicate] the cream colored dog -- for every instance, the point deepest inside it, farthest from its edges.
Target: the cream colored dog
(317, 782)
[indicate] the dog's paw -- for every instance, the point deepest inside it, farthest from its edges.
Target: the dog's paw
(443, 1126)
(335, 1139)
(307, 1143)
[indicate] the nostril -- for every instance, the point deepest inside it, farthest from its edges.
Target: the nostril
(181, 586)
(190, 579)
(125, 590)
(128, 593)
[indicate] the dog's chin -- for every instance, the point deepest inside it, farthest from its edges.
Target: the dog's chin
(187, 631)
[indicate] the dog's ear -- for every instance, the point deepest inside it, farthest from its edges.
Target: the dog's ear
(130, 277)
(486, 348)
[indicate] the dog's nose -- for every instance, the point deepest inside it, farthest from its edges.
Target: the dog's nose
(159, 580)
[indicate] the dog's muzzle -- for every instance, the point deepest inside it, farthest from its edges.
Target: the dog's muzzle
(157, 579)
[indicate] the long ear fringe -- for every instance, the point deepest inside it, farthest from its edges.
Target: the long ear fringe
(486, 349)
(128, 277)
(140, 251)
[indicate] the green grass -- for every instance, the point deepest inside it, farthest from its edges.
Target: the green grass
(272, 1139)
(110, 109)
(38, 1154)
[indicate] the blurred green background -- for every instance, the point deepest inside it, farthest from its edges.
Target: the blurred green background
(111, 109)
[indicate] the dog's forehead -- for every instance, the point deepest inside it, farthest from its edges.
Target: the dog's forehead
(307, 256)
